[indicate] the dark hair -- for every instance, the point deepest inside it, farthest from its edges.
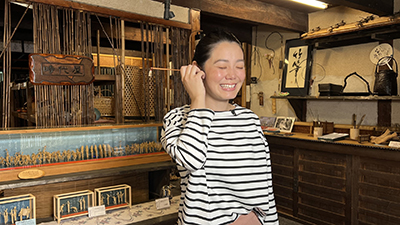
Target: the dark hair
(208, 42)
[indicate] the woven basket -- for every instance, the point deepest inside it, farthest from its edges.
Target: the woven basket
(105, 104)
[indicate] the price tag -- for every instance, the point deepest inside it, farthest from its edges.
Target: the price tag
(26, 222)
(394, 144)
(162, 203)
(97, 211)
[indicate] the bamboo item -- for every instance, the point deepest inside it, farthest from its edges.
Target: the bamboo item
(166, 69)
(62, 105)
(18, 208)
(114, 197)
(72, 204)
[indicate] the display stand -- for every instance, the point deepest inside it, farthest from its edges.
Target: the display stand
(114, 197)
(17, 208)
(72, 204)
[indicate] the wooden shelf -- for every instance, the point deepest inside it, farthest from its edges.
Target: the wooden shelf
(21, 86)
(363, 34)
(104, 77)
(64, 168)
(299, 104)
(91, 174)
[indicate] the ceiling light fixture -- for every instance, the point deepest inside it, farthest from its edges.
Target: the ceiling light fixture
(313, 3)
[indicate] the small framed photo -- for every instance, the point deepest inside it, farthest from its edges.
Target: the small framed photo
(267, 122)
(285, 124)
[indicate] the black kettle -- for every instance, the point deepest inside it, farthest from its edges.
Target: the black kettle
(385, 80)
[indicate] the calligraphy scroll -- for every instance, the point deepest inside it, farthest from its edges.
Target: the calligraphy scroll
(55, 69)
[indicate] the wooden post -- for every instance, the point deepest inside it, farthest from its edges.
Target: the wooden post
(123, 68)
(168, 94)
(195, 22)
(98, 52)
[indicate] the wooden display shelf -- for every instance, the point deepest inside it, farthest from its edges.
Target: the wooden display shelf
(11, 174)
(27, 130)
(110, 60)
(384, 104)
(104, 77)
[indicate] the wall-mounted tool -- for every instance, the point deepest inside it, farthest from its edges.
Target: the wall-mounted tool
(167, 13)
(261, 98)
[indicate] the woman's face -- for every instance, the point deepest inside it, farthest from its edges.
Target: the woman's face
(225, 73)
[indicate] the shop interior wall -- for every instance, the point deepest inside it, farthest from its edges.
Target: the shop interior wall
(268, 75)
(329, 66)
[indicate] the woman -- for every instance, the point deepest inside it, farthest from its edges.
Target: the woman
(221, 152)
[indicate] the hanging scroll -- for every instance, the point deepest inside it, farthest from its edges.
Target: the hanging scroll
(56, 69)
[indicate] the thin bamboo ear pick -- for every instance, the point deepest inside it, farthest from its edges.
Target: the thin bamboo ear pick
(166, 69)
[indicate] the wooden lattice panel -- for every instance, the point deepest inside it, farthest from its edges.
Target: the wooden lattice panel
(134, 99)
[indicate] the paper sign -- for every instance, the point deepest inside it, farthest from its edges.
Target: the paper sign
(97, 211)
(162, 203)
(26, 222)
(394, 144)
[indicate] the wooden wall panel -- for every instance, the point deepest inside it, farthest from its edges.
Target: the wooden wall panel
(319, 217)
(379, 191)
(282, 166)
(319, 170)
(323, 192)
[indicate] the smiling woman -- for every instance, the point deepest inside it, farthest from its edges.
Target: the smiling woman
(221, 152)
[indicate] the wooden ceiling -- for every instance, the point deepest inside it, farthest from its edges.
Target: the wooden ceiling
(279, 13)
(378, 7)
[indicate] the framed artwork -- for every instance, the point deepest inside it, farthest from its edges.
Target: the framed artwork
(15, 209)
(72, 204)
(284, 124)
(114, 197)
(296, 73)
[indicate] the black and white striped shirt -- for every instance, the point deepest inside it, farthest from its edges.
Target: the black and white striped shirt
(224, 164)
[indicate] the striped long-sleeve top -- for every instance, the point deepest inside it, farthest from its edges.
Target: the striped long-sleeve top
(224, 163)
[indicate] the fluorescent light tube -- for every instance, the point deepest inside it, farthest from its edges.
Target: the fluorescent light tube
(314, 3)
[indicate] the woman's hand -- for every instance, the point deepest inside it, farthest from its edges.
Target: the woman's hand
(192, 78)
(249, 219)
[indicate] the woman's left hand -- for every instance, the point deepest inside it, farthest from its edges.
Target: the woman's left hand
(249, 219)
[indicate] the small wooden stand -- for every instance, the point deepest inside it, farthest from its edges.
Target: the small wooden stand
(17, 208)
(114, 197)
(72, 204)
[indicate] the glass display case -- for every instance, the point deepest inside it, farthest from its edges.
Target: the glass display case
(75, 149)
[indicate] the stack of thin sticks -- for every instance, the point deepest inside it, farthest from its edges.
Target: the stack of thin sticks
(68, 32)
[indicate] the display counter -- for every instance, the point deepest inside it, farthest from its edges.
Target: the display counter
(341, 182)
(79, 158)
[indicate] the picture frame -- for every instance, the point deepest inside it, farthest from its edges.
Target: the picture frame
(114, 197)
(72, 204)
(266, 122)
(284, 124)
(297, 69)
(15, 209)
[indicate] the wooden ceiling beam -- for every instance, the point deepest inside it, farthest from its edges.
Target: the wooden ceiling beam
(253, 11)
(377, 7)
(129, 16)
